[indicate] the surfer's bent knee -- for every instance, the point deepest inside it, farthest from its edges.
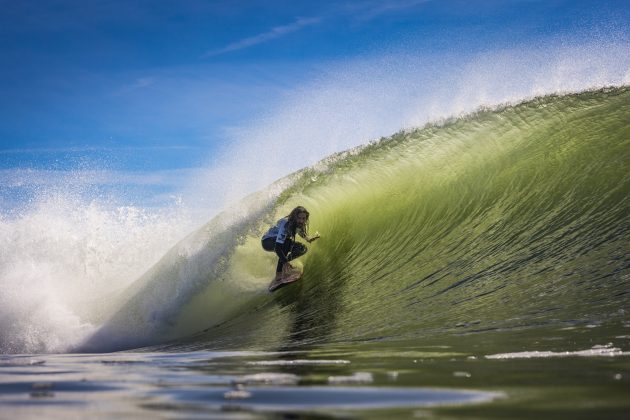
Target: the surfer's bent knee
(268, 244)
(301, 249)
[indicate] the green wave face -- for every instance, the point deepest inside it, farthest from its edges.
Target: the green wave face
(507, 219)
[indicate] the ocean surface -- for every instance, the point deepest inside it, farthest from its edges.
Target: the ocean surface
(477, 267)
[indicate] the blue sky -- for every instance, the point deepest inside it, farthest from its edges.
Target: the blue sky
(161, 87)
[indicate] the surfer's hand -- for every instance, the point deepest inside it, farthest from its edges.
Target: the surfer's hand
(312, 238)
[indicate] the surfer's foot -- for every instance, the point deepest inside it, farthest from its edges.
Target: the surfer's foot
(287, 269)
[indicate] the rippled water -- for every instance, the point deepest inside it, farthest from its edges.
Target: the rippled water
(460, 378)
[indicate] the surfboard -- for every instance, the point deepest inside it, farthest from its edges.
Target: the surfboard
(284, 281)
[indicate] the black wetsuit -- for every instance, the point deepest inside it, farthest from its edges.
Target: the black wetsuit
(281, 239)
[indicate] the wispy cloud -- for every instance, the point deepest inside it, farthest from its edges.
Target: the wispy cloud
(140, 83)
(274, 33)
(361, 11)
(367, 10)
(371, 10)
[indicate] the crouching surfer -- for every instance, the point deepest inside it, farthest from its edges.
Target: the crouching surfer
(281, 240)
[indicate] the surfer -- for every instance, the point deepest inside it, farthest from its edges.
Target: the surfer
(281, 239)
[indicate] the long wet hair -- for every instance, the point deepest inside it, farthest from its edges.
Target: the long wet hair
(292, 217)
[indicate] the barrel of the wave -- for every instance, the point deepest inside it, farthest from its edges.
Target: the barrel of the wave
(504, 218)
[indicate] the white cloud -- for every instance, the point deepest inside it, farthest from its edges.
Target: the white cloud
(361, 11)
(28, 178)
(139, 83)
(371, 10)
(274, 33)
